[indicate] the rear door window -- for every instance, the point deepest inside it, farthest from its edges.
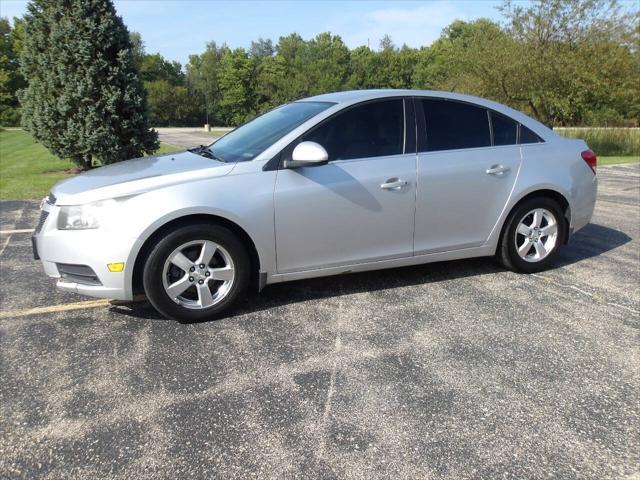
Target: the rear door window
(527, 136)
(373, 129)
(505, 130)
(453, 125)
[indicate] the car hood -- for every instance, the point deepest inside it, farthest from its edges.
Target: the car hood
(136, 176)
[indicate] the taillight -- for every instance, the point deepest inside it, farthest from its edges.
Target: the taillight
(591, 159)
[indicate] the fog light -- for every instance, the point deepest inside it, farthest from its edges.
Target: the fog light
(115, 267)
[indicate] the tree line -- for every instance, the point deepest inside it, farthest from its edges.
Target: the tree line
(565, 62)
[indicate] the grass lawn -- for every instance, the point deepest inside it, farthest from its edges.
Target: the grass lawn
(219, 131)
(615, 160)
(28, 170)
(605, 141)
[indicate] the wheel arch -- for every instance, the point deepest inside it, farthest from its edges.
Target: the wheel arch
(555, 195)
(172, 224)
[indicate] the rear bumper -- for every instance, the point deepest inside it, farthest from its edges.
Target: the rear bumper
(92, 248)
(583, 205)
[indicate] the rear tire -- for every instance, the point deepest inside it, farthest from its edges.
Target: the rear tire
(196, 272)
(533, 234)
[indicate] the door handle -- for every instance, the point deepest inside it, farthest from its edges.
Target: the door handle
(497, 170)
(393, 184)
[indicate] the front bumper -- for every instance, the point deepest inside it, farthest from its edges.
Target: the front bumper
(94, 248)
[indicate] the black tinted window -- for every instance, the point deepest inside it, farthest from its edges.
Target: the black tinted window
(527, 136)
(371, 130)
(452, 125)
(505, 130)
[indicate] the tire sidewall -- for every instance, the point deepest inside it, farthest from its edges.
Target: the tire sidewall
(154, 265)
(508, 241)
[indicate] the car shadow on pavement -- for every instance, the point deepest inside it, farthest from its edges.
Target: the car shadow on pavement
(281, 294)
(591, 241)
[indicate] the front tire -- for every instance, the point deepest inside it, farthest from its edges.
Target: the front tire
(532, 237)
(196, 272)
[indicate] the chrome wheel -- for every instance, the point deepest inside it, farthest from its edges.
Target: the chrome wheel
(198, 274)
(536, 235)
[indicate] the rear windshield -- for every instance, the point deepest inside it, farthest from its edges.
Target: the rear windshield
(251, 139)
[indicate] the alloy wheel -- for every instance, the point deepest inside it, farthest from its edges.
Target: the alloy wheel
(198, 274)
(536, 235)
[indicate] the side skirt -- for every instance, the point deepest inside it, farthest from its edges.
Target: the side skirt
(483, 251)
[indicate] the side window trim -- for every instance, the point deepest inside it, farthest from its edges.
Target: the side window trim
(410, 136)
(421, 125)
(282, 155)
(490, 120)
(404, 126)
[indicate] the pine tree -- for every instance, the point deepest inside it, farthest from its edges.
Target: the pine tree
(84, 99)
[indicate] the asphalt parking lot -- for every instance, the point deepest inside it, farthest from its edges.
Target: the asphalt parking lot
(449, 370)
(188, 137)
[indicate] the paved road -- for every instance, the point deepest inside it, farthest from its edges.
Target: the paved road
(189, 137)
(450, 370)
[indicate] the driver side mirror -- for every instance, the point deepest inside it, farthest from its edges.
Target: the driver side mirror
(307, 154)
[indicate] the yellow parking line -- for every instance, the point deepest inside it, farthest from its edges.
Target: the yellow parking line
(55, 308)
(11, 232)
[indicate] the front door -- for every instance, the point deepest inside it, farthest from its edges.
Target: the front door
(360, 206)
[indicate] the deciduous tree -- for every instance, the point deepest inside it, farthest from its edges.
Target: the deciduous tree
(11, 80)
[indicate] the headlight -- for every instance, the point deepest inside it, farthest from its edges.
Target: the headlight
(84, 217)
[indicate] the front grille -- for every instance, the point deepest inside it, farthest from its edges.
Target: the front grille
(43, 217)
(78, 274)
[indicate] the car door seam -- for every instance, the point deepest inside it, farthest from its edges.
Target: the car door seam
(415, 206)
(275, 236)
(499, 221)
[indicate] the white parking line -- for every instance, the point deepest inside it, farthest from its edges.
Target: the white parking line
(4, 245)
(583, 292)
(10, 232)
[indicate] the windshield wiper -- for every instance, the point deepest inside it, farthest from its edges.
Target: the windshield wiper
(206, 152)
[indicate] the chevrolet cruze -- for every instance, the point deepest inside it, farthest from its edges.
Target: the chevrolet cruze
(336, 183)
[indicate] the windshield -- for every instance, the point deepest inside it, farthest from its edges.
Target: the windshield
(248, 141)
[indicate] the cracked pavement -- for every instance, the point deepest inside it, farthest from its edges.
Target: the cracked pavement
(447, 370)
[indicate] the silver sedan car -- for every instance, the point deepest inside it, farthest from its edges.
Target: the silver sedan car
(332, 184)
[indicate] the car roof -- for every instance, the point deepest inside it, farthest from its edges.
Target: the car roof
(351, 96)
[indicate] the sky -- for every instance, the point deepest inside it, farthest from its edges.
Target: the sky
(178, 29)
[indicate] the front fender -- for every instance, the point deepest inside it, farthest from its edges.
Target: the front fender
(250, 207)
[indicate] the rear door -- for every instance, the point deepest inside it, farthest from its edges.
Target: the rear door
(360, 206)
(468, 161)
